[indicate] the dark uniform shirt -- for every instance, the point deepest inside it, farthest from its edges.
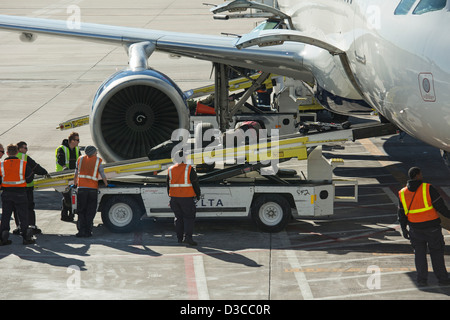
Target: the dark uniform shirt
(61, 156)
(35, 167)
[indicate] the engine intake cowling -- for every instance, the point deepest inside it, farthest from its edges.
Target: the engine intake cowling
(134, 111)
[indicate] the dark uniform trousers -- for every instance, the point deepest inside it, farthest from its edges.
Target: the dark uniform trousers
(31, 205)
(431, 239)
(87, 208)
(14, 200)
(184, 210)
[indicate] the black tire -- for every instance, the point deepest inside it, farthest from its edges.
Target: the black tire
(271, 213)
(121, 214)
(346, 125)
(338, 118)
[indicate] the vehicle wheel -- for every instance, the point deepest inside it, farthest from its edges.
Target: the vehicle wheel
(271, 213)
(346, 125)
(121, 214)
(338, 118)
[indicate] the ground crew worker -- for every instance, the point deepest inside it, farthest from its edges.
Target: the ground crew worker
(66, 158)
(36, 169)
(13, 175)
(89, 168)
(419, 204)
(263, 95)
(2, 151)
(183, 187)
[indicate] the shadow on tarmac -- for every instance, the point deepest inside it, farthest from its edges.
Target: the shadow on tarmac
(344, 233)
(408, 151)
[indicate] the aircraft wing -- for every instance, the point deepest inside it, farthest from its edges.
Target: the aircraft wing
(220, 49)
(299, 56)
(282, 52)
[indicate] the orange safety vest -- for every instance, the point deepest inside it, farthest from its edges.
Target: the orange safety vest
(418, 208)
(12, 172)
(180, 181)
(88, 171)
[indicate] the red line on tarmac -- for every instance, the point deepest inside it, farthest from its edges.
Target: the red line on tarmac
(190, 278)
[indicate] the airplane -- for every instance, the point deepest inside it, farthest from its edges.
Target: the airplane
(390, 55)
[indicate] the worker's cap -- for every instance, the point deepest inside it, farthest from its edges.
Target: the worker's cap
(413, 172)
(90, 150)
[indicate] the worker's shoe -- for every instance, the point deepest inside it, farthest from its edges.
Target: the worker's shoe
(83, 234)
(28, 241)
(67, 217)
(190, 241)
(66, 214)
(4, 240)
(35, 229)
(28, 237)
(5, 243)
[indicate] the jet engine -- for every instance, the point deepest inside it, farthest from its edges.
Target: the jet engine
(134, 111)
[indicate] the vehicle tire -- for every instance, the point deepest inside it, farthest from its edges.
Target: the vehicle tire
(338, 118)
(346, 125)
(121, 214)
(271, 213)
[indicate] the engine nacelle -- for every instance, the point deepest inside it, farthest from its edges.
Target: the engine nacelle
(134, 111)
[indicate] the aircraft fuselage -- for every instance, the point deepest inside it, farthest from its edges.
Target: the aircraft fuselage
(398, 55)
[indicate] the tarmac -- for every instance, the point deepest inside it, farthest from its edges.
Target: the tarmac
(357, 253)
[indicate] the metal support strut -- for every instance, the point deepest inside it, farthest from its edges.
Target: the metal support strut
(224, 110)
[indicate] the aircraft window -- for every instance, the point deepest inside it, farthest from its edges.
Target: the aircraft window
(425, 6)
(404, 6)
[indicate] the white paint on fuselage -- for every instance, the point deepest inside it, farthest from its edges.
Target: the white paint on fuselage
(393, 58)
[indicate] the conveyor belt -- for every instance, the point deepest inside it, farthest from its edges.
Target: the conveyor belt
(287, 147)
